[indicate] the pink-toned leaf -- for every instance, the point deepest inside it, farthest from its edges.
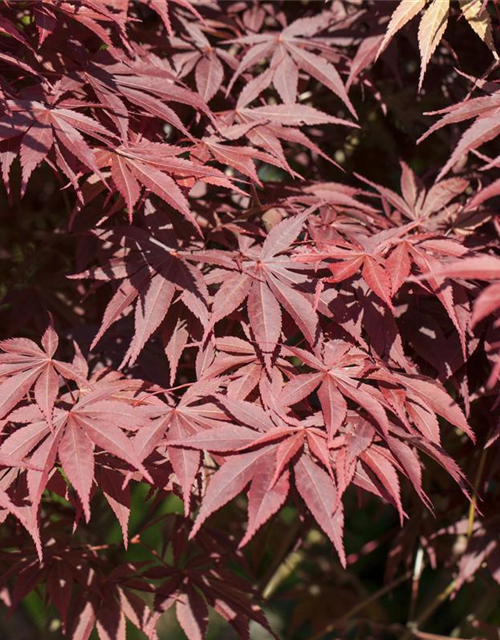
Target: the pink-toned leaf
(192, 614)
(320, 495)
(76, 453)
(227, 483)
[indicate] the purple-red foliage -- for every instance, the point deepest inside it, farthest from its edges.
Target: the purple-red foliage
(293, 339)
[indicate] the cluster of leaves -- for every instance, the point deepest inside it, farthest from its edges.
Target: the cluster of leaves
(242, 323)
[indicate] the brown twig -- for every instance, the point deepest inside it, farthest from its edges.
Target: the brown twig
(433, 636)
(428, 611)
(268, 582)
(362, 605)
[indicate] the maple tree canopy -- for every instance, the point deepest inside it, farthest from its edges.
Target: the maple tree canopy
(249, 299)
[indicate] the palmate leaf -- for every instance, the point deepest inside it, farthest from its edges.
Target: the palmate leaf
(155, 167)
(192, 414)
(95, 421)
(23, 365)
(97, 17)
(268, 126)
(266, 280)
(385, 260)
(163, 10)
(63, 572)
(480, 267)
(338, 367)
(265, 450)
(192, 587)
(151, 274)
(433, 25)
(198, 53)
(35, 127)
(289, 52)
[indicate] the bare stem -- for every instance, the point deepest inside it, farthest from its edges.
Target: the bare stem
(362, 605)
(428, 611)
(272, 577)
(477, 482)
(433, 636)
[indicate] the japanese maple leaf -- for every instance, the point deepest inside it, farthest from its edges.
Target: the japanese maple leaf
(155, 166)
(192, 584)
(178, 421)
(290, 51)
(433, 25)
(359, 458)
(95, 420)
(163, 7)
(24, 365)
(266, 126)
(433, 207)
(385, 261)
(260, 453)
(145, 83)
(247, 368)
(238, 157)
(65, 568)
(358, 253)
(98, 17)
(371, 461)
(413, 399)
(486, 126)
(479, 267)
(268, 282)
(199, 55)
(151, 273)
(35, 126)
(340, 371)
(114, 608)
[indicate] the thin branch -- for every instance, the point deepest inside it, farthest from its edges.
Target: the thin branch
(272, 577)
(477, 482)
(362, 605)
(433, 636)
(429, 610)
